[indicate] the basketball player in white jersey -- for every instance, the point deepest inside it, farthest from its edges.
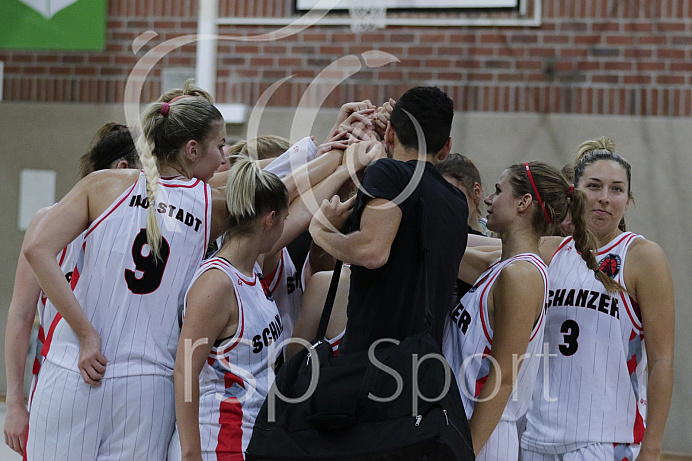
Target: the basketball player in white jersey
(106, 387)
(222, 383)
(592, 401)
(112, 147)
(494, 336)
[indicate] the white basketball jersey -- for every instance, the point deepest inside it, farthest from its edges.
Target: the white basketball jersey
(237, 375)
(70, 260)
(594, 387)
(131, 300)
(286, 288)
(468, 341)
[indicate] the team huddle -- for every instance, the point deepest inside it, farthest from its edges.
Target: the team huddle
(189, 268)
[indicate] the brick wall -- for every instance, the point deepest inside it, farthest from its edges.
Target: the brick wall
(618, 57)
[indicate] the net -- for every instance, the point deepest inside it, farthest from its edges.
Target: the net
(366, 15)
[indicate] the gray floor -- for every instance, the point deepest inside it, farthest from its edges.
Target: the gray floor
(6, 454)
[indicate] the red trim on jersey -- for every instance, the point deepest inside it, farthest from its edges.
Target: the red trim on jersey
(271, 278)
(230, 438)
(639, 428)
(111, 210)
(186, 186)
(481, 382)
(637, 310)
(242, 278)
(36, 367)
(210, 264)
(562, 245)
(623, 237)
(538, 325)
(540, 265)
(207, 191)
(49, 338)
(632, 364)
(75, 277)
(237, 337)
(62, 256)
(633, 317)
(485, 329)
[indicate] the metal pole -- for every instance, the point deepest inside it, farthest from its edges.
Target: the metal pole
(207, 30)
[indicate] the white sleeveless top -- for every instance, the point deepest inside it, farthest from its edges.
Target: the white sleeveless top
(237, 375)
(287, 290)
(468, 341)
(595, 382)
(132, 302)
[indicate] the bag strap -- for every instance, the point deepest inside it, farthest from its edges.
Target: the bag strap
(329, 302)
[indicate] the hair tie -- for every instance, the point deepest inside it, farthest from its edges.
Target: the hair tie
(538, 196)
(164, 108)
(179, 97)
(569, 192)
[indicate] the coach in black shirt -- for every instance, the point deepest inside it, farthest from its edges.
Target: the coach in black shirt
(386, 297)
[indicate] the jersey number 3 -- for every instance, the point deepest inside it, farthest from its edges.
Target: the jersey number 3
(570, 330)
(148, 272)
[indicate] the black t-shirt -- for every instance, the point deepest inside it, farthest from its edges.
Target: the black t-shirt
(388, 302)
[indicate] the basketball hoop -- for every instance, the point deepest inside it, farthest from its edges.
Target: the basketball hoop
(367, 16)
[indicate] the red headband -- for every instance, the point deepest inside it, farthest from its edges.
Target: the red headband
(167, 105)
(538, 196)
(569, 192)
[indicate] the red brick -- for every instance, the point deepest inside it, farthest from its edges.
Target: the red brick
(609, 79)
(638, 27)
(670, 80)
(652, 40)
(574, 53)
(638, 53)
(619, 40)
(670, 54)
(636, 80)
(258, 62)
(670, 26)
(477, 76)
(462, 38)
(617, 66)
(423, 50)
(434, 38)
(486, 39)
(681, 66)
(653, 66)
(545, 52)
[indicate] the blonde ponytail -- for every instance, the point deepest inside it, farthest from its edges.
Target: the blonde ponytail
(151, 173)
(250, 192)
(166, 127)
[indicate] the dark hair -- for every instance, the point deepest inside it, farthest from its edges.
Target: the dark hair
(112, 142)
(602, 148)
(558, 198)
(432, 109)
(461, 168)
(251, 192)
